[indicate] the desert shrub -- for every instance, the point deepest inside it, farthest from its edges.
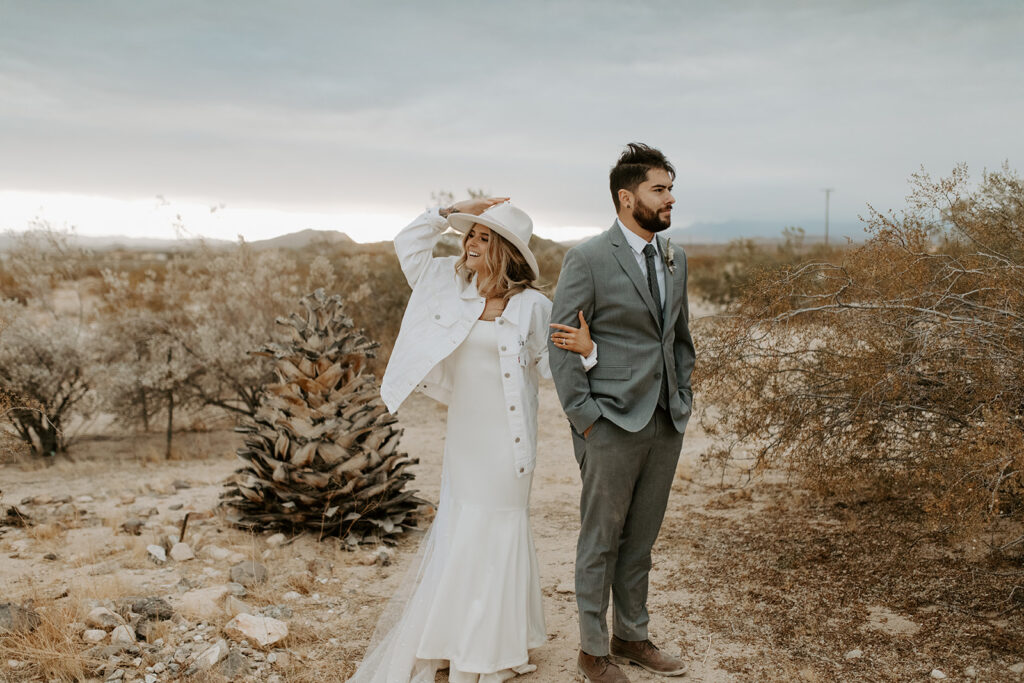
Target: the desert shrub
(901, 366)
(721, 276)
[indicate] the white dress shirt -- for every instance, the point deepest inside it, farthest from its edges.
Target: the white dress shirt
(637, 244)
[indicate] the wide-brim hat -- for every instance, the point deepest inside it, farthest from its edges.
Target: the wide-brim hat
(509, 221)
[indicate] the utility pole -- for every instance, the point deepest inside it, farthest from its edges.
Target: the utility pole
(827, 191)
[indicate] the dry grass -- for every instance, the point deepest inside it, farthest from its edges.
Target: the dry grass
(52, 651)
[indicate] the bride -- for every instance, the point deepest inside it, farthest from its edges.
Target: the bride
(474, 336)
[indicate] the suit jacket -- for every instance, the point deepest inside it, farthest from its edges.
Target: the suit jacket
(602, 278)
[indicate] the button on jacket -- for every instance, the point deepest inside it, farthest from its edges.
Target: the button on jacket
(442, 309)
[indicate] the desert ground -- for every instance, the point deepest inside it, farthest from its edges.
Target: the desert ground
(753, 580)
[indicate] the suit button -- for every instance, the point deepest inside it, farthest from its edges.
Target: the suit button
(517, 439)
(507, 375)
(437, 317)
(500, 321)
(512, 408)
(503, 348)
(521, 470)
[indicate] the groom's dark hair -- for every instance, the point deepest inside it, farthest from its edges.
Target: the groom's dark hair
(632, 167)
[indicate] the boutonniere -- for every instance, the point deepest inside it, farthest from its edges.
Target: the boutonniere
(670, 256)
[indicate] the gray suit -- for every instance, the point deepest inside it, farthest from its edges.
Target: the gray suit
(628, 461)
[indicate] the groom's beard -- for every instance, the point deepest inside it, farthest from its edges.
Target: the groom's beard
(648, 219)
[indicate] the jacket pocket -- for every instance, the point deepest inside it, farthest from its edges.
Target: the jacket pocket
(440, 313)
(610, 371)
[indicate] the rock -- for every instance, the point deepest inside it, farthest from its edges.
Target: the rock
(150, 678)
(181, 552)
(176, 506)
(153, 608)
(970, 672)
(1018, 668)
(277, 611)
(233, 606)
(248, 573)
(236, 666)
(41, 500)
(122, 634)
(276, 540)
(133, 526)
(50, 556)
(61, 499)
(103, 618)
(280, 658)
(291, 595)
(84, 500)
(66, 510)
(215, 552)
(854, 654)
(262, 630)
(94, 635)
(203, 603)
(208, 657)
(383, 556)
(157, 553)
(181, 484)
(937, 674)
(237, 589)
(116, 676)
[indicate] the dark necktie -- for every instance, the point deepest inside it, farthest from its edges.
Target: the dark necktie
(652, 280)
(652, 284)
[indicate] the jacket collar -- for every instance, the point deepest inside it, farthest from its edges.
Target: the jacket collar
(624, 255)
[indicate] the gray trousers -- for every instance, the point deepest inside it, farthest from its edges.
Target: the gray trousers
(627, 478)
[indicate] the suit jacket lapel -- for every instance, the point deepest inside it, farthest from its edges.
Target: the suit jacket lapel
(624, 255)
(670, 288)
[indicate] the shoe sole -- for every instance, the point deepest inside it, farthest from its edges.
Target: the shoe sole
(622, 659)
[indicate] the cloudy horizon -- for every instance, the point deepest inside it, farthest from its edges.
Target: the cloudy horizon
(257, 119)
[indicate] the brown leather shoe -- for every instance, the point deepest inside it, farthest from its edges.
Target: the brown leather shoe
(643, 653)
(599, 669)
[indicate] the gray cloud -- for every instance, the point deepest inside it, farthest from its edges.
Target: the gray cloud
(328, 104)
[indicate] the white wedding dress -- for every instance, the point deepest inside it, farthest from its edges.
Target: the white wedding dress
(472, 602)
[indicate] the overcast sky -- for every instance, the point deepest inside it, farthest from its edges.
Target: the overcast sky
(348, 115)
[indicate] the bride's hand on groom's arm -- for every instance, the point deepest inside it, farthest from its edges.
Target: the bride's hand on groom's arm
(576, 340)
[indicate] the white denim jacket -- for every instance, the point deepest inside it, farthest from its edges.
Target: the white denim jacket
(441, 311)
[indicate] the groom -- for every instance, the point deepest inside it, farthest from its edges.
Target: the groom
(628, 413)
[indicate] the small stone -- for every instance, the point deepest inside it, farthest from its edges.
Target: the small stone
(159, 668)
(248, 573)
(84, 500)
(234, 606)
(263, 630)
(50, 556)
(210, 656)
(133, 526)
(181, 552)
(202, 603)
(237, 589)
(42, 500)
(236, 666)
(137, 662)
(122, 634)
(151, 678)
(101, 617)
(854, 654)
(282, 659)
(1018, 668)
(176, 506)
(157, 553)
(116, 676)
(215, 552)
(277, 611)
(937, 674)
(153, 608)
(66, 510)
(181, 484)
(292, 595)
(94, 635)
(971, 672)
(276, 540)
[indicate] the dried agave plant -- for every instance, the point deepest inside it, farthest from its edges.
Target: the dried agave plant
(321, 452)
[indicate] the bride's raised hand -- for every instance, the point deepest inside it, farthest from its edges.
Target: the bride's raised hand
(476, 206)
(573, 339)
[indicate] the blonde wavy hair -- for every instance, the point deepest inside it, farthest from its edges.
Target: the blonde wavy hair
(509, 273)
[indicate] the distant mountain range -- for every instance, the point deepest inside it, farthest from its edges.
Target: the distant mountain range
(294, 240)
(698, 233)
